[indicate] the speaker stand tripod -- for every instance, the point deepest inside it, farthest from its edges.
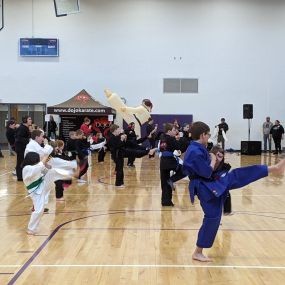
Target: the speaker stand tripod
(248, 129)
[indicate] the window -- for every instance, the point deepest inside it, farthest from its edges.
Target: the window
(66, 7)
(180, 85)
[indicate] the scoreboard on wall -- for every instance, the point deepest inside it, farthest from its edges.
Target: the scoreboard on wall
(38, 47)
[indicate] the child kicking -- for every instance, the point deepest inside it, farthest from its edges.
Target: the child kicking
(60, 160)
(117, 144)
(212, 190)
(39, 181)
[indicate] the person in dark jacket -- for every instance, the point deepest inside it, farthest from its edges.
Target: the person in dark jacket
(119, 150)
(1, 154)
(70, 147)
(223, 126)
(50, 128)
(10, 135)
(82, 149)
(21, 140)
(117, 143)
(169, 142)
(133, 143)
(151, 130)
(277, 133)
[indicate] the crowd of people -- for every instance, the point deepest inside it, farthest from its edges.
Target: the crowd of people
(45, 163)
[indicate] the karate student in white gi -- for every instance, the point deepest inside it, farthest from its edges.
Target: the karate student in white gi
(39, 181)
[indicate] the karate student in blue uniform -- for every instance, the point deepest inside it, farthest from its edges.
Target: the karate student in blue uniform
(212, 190)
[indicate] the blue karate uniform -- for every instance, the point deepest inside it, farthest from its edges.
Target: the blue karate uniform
(212, 190)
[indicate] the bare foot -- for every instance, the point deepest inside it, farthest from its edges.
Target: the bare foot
(152, 151)
(108, 93)
(31, 233)
(201, 257)
(60, 199)
(229, 214)
(77, 172)
(278, 168)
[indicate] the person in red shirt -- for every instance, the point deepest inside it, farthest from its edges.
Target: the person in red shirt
(86, 127)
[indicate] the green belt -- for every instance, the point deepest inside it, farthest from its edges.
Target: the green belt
(35, 183)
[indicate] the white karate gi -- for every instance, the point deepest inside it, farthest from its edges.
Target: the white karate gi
(34, 146)
(40, 192)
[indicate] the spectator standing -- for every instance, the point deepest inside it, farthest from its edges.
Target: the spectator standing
(277, 133)
(223, 126)
(10, 135)
(21, 140)
(266, 127)
(50, 128)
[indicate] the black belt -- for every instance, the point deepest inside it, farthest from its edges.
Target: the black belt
(191, 177)
(138, 120)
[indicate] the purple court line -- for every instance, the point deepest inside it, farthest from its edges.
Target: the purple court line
(43, 245)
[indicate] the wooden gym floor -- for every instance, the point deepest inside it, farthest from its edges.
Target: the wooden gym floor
(104, 235)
